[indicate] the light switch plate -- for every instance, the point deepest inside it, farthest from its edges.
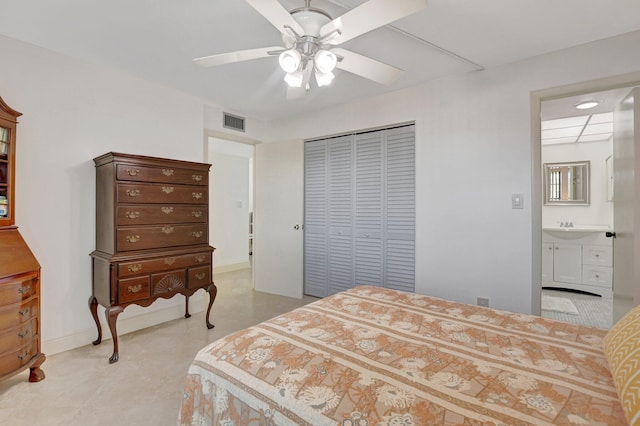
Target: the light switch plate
(517, 201)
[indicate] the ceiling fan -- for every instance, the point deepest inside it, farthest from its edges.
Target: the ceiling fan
(310, 36)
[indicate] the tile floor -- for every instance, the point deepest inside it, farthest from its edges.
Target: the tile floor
(145, 386)
(593, 311)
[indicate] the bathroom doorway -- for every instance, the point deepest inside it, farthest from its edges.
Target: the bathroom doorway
(588, 206)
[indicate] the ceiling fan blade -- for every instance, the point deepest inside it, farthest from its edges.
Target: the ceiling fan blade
(367, 67)
(279, 17)
(239, 56)
(369, 16)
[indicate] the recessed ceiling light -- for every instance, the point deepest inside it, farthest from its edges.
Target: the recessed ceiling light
(587, 104)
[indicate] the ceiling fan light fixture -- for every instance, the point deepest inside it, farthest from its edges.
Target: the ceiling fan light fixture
(325, 61)
(290, 60)
(294, 79)
(324, 78)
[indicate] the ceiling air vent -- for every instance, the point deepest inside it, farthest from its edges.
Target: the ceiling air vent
(233, 122)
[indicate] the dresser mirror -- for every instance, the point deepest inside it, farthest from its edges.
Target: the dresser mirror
(566, 183)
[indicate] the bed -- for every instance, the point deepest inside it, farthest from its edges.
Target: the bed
(374, 356)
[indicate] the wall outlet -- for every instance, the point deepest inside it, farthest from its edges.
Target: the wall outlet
(483, 301)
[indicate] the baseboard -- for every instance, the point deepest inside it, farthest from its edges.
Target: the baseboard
(231, 267)
(125, 325)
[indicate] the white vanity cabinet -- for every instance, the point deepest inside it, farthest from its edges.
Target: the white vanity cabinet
(578, 260)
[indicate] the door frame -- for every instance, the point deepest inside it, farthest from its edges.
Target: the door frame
(537, 97)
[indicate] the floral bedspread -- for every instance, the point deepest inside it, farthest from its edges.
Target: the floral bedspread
(374, 356)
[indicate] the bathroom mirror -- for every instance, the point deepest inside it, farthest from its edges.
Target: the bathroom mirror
(566, 183)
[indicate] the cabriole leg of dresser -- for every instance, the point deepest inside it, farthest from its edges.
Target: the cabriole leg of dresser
(36, 374)
(213, 291)
(112, 315)
(93, 307)
(186, 306)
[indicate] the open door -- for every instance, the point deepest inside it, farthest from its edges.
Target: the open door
(626, 217)
(277, 229)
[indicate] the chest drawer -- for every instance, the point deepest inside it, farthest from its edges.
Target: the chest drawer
(166, 174)
(200, 276)
(130, 269)
(160, 236)
(19, 289)
(161, 193)
(168, 282)
(18, 313)
(597, 255)
(12, 361)
(133, 289)
(157, 214)
(17, 337)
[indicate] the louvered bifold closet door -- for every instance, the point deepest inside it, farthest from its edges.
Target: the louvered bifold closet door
(400, 209)
(315, 219)
(340, 244)
(360, 211)
(369, 198)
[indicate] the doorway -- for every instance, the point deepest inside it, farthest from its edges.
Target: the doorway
(231, 212)
(587, 275)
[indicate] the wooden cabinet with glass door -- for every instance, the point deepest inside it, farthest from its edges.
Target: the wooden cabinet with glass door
(20, 319)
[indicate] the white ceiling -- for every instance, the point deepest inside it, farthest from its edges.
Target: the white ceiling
(157, 39)
(563, 123)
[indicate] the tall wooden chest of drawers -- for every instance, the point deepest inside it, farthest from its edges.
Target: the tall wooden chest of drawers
(20, 320)
(152, 228)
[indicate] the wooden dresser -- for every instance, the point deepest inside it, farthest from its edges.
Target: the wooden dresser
(152, 223)
(20, 320)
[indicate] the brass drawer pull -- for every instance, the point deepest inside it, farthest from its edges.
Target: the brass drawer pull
(196, 213)
(196, 195)
(23, 334)
(134, 288)
(167, 229)
(24, 355)
(133, 238)
(135, 268)
(167, 210)
(133, 192)
(24, 312)
(23, 290)
(197, 234)
(133, 172)
(196, 178)
(200, 276)
(167, 189)
(169, 261)
(200, 258)
(167, 172)
(132, 215)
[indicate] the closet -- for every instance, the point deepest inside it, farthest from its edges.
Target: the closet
(360, 211)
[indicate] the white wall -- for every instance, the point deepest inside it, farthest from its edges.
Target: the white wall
(473, 151)
(229, 203)
(73, 112)
(600, 211)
